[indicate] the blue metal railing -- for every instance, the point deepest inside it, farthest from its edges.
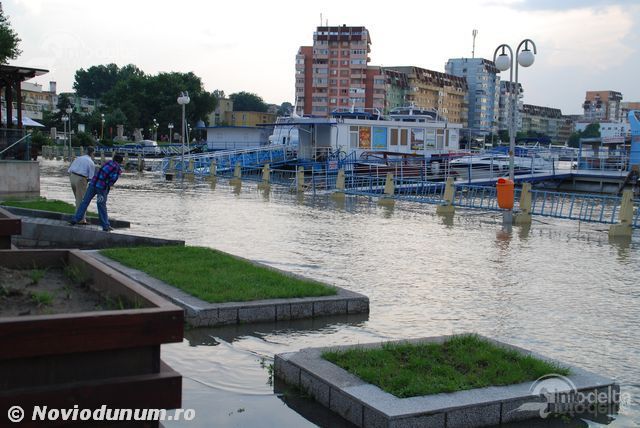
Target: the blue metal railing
(576, 206)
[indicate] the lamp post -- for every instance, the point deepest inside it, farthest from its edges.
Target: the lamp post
(102, 126)
(69, 110)
(64, 127)
(183, 100)
(155, 130)
(170, 126)
(506, 62)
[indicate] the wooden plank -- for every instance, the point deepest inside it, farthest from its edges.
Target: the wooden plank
(88, 331)
(156, 391)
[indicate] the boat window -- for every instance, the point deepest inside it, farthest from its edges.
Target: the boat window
(365, 137)
(404, 136)
(353, 137)
(439, 138)
(394, 137)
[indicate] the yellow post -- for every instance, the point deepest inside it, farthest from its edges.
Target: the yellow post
(300, 179)
(113, 154)
(140, 163)
(449, 193)
(237, 175)
(172, 165)
(266, 177)
(191, 169)
(624, 228)
(524, 216)
(213, 169)
(126, 159)
(389, 191)
(339, 193)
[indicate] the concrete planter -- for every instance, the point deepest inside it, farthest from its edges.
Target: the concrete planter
(109, 357)
(366, 405)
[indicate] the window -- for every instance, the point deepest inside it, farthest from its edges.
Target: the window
(353, 137)
(403, 136)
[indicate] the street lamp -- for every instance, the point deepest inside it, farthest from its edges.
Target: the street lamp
(504, 62)
(170, 126)
(183, 100)
(102, 127)
(155, 130)
(64, 127)
(69, 110)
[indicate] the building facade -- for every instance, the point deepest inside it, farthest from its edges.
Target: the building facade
(248, 118)
(483, 82)
(602, 106)
(333, 72)
(440, 92)
(546, 121)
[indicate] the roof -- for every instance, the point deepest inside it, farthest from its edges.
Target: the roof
(23, 73)
(232, 127)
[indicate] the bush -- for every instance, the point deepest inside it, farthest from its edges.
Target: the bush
(82, 139)
(39, 139)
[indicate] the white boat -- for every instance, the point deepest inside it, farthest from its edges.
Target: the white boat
(495, 163)
(350, 132)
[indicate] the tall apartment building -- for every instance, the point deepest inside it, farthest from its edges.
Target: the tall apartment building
(505, 104)
(483, 83)
(396, 87)
(548, 121)
(441, 92)
(333, 72)
(602, 106)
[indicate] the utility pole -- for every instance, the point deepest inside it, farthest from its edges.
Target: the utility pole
(474, 33)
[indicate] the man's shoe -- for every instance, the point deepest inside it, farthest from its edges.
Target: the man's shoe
(72, 222)
(108, 229)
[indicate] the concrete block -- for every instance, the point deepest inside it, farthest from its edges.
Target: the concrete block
(286, 371)
(256, 314)
(330, 307)
(315, 387)
(523, 409)
(227, 316)
(346, 406)
(373, 419)
(420, 421)
(301, 310)
(477, 416)
(283, 312)
(358, 306)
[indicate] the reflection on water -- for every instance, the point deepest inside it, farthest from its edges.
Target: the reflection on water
(565, 291)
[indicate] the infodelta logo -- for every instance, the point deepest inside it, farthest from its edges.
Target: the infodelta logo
(557, 394)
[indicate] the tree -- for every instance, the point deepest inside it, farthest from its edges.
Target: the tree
(285, 109)
(8, 40)
(591, 131)
(246, 101)
(97, 80)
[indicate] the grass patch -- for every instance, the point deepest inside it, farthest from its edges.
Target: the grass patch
(42, 298)
(44, 204)
(463, 362)
(213, 276)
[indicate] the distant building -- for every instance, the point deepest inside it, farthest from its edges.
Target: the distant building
(440, 92)
(602, 106)
(548, 121)
(505, 104)
(82, 104)
(217, 116)
(332, 73)
(248, 118)
(610, 132)
(396, 85)
(483, 83)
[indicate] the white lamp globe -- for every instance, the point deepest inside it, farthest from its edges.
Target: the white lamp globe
(503, 62)
(526, 58)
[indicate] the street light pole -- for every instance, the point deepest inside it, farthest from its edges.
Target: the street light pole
(69, 110)
(183, 100)
(102, 127)
(170, 126)
(503, 62)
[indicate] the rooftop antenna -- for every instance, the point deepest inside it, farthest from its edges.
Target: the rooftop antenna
(474, 33)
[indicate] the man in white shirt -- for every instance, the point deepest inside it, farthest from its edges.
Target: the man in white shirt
(80, 172)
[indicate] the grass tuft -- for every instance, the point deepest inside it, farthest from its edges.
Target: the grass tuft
(461, 363)
(44, 204)
(214, 276)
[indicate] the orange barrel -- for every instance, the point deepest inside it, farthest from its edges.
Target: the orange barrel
(504, 190)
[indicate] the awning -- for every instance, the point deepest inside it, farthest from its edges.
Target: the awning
(26, 121)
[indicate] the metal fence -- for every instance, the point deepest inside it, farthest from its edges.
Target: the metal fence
(16, 144)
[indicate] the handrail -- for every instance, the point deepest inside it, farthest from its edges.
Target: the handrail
(20, 140)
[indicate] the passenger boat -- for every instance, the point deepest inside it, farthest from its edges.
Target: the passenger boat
(495, 163)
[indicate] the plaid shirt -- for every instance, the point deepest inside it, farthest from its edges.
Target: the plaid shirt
(106, 176)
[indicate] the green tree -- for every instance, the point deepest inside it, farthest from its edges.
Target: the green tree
(285, 109)
(246, 101)
(9, 40)
(97, 80)
(591, 131)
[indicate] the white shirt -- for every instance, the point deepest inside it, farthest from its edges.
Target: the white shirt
(84, 166)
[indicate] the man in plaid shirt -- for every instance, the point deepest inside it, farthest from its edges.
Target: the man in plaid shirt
(100, 184)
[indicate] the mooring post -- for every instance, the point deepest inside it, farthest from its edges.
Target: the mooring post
(113, 154)
(449, 193)
(624, 227)
(237, 175)
(126, 160)
(191, 168)
(266, 177)
(140, 163)
(389, 191)
(338, 194)
(300, 179)
(213, 169)
(524, 216)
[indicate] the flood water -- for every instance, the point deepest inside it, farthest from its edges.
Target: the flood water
(559, 287)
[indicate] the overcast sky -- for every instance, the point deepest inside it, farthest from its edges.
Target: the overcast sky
(251, 45)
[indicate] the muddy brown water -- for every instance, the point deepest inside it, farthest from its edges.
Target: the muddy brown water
(561, 288)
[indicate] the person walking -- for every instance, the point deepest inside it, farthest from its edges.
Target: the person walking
(81, 171)
(100, 185)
